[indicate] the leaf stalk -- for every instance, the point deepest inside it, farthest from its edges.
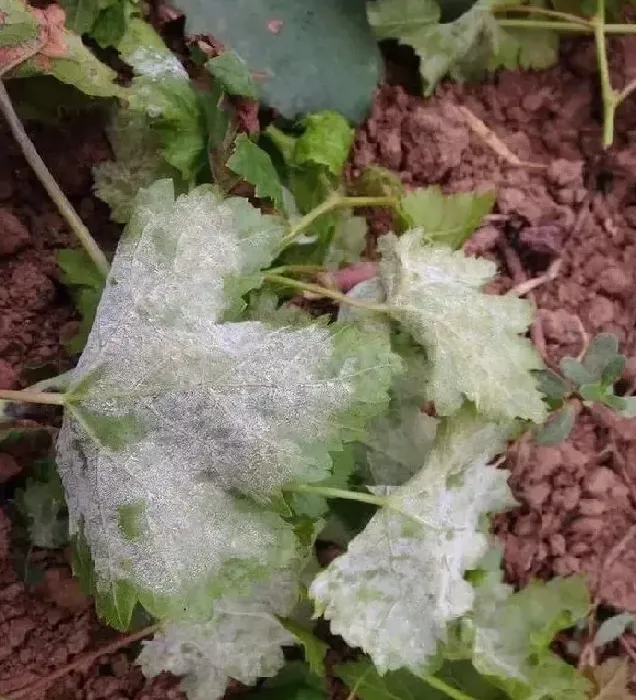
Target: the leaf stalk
(329, 492)
(29, 396)
(335, 201)
(50, 185)
(607, 91)
(325, 292)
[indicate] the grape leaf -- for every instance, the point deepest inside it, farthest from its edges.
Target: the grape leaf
(401, 580)
(242, 640)
(86, 284)
(516, 48)
(512, 639)
(472, 339)
(348, 242)
(255, 166)
(326, 140)
(294, 682)
(281, 41)
(19, 28)
(267, 406)
(232, 72)
(137, 163)
(41, 503)
(61, 54)
(447, 219)
(314, 649)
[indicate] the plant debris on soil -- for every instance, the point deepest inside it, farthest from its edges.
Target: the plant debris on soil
(577, 509)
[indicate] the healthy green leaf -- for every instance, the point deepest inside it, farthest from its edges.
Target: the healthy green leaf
(41, 502)
(281, 41)
(473, 340)
(242, 640)
(401, 581)
(255, 166)
(558, 427)
(315, 649)
(516, 48)
(446, 219)
(512, 640)
(294, 682)
(268, 405)
(326, 140)
(233, 73)
(86, 283)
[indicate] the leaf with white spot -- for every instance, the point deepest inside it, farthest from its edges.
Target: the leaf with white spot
(474, 341)
(401, 581)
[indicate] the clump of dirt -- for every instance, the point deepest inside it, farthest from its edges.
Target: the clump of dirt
(576, 206)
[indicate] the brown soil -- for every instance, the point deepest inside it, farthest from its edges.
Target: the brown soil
(577, 508)
(577, 502)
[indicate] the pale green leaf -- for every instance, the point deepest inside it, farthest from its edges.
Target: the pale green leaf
(348, 242)
(601, 352)
(243, 641)
(516, 48)
(401, 581)
(255, 166)
(474, 341)
(401, 18)
(267, 406)
(233, 73)
(446, 219)
(512, 640)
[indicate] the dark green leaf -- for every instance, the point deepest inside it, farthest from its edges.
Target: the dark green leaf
(574, 371)
(294, 682)
(448, 219)
(601, 352)
(314, 649)
(112, 23)
(116, 605)
(326, 140)
(557, 428)
(81, 14)
(299, 50)
(233, 73)
(255, 166)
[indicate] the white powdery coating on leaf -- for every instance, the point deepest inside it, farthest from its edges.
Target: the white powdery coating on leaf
(401, 580)
(473, 339)
(242, 641)
(156, 64)
(175, 417)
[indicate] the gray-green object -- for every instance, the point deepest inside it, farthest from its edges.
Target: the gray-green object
(305, 56)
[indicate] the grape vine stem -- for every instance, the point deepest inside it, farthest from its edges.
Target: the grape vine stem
(50, 185)
(28, 396)
(335, 201)
(325, 292)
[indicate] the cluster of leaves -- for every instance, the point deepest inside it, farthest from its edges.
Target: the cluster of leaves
(211, 422)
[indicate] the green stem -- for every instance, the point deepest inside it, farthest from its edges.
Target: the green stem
(299, 269)
(329, 492)
(335, 201)
(625, 92)
(50, 185)
(565, 27)
(27, 396)
(324, 292)
(566, 16)
(449, 690)
(607, 92)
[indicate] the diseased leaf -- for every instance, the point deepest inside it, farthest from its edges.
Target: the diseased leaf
(298, 50)
(137, 163)
(19, 25)
(242, 640)
(62, 54)
(268, 405)
(233, 73)
(473, 340)
(255, 166)
(447, 219)
(401, 581)
(611, 680)
(41, 502)
(512, 640)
